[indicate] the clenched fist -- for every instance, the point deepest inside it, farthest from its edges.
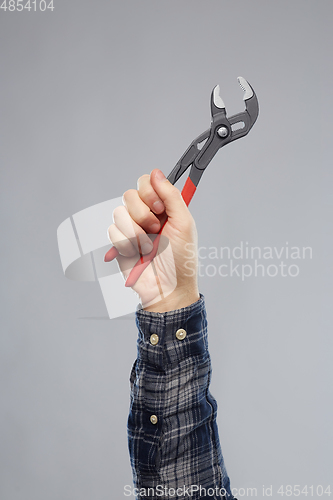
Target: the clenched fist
(170, 281)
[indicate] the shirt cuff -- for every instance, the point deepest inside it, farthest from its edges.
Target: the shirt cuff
(172, 336)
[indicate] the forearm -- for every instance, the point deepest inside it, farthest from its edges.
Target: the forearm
(172, 430)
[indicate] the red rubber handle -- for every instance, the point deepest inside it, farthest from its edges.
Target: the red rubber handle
(144, 261)
(188, 191)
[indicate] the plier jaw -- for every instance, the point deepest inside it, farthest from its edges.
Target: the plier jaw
(250, 115)
(222, 131)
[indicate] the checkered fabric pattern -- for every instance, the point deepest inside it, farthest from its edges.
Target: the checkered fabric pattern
(170, 380)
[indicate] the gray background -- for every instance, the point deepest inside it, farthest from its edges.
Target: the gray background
(94, 94)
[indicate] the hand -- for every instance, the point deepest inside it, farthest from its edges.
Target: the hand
(170, 281)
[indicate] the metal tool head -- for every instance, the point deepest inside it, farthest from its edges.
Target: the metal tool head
(222, 131)
(241, 123)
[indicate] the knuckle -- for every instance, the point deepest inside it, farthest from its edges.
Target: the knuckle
(143, 218)
(146, 192)
(144, 189)
(128, 194)
(174, 192)
(117, 212)
(143, 179)
(111, 233)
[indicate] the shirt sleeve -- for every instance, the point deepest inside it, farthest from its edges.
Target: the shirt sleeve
(172, 432)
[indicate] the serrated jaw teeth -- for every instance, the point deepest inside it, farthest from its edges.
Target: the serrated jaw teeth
(246, 87)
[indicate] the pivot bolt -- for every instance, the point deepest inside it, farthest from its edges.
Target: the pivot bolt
(223, 131)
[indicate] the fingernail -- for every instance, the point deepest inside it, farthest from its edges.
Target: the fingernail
(155, 227)
(158, 207)
(160, 176)
(146, 248)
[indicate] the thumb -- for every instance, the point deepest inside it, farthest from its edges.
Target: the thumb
(175, 206)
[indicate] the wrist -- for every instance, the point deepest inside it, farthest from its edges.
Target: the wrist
(178, 299)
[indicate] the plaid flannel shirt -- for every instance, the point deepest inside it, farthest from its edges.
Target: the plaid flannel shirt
(172, 432)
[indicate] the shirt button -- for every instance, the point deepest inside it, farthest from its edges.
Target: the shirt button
(153, 419)
(154, 339)
(180, 334)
